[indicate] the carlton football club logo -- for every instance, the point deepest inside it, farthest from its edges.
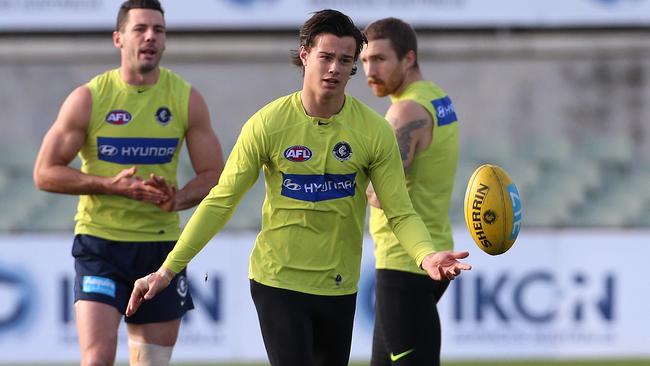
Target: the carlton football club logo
(118, 117)
(342, 151)
(297, 153)
(182, 286)
(163, 116)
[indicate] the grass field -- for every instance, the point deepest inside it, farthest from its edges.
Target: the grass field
(504, 363)
(552, 363)
(626, 362)
(500, 363)
(629, 362)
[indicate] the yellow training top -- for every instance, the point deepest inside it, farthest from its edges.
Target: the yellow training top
(316, 172)
(430, 181)
(132, 125)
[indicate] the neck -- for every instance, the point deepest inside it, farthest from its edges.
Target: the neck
(132, 77)
(412, 76)
(321, 106)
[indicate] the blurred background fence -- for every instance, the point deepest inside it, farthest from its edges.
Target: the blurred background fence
(565, 113)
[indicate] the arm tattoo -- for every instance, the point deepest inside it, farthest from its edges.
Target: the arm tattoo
(404, 138)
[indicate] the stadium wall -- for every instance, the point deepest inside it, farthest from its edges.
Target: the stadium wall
(554, 295)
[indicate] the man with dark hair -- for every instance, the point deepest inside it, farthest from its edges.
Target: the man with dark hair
(318, 148)
(407, 325)
(128, 126)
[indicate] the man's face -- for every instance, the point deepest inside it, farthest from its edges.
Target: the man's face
(328, 64)
(142, 40)
(385, 73)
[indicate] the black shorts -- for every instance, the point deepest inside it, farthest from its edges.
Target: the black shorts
(105, 271)
(407, 325)
(302, 329)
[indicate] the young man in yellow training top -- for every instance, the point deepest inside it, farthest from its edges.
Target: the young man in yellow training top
(318, 149)
(128, 126)
(407, 325)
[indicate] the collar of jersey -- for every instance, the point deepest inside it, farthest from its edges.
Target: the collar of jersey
(336, 118)
(138, 89)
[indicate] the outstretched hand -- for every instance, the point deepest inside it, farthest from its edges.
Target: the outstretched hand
(147, 287)
(445, 265)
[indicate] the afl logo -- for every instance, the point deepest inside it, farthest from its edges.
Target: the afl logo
(163, 116)
(342, 151)
(107, 150)
(297, 153)
(118, 117)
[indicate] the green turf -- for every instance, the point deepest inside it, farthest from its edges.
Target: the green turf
(505, 363)
(625, 362)
(494, 363)
(551, 363)
(508, 363)
(498, 363)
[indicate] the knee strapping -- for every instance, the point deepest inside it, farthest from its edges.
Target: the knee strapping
(145, 354)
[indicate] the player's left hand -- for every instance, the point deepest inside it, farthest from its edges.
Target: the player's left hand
(372, 196)
(445, 265)
(159, 182)
(147, 287)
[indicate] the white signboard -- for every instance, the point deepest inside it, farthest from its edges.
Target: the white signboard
(553, 295)
(50, 15)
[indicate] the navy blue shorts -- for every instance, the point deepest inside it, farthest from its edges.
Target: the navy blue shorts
(106, 270)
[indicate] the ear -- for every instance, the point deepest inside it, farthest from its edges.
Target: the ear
(410, 59)
(117, 39)
(303, 55)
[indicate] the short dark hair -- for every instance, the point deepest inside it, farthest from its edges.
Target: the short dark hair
(331, 22)
(123, 13)
(400, 34)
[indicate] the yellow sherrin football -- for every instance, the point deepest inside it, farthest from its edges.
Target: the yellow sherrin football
(492, 209)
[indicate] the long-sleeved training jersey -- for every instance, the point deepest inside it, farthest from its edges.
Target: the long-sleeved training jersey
(316, 171)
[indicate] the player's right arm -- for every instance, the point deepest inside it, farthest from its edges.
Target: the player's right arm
(413, 128)
(239, 174)
(62, 143)
(406, 225)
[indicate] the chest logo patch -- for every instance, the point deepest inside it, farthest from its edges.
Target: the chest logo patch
(316, 187)
(297, 153)
(163, 116)
(342, 151)
(136, 150)
(118, 117)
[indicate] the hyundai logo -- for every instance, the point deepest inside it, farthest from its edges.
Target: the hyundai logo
(107, 150)
(291, 185)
